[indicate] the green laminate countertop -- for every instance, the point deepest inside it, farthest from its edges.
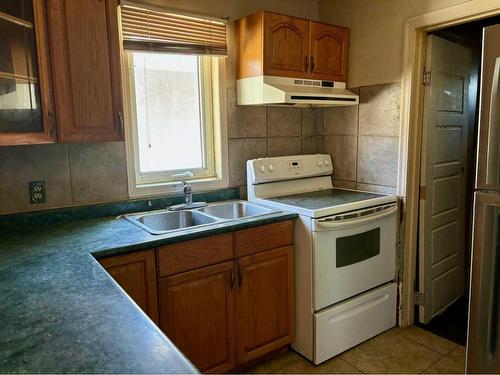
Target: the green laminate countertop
(60, 312)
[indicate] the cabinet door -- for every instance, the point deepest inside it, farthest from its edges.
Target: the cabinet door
(196, 313)
(286, 46)
(26, 106)
(265, 310)
(328, 52)
(136, 274)
(85, 55)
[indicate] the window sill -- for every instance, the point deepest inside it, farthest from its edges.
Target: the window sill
(171, 188)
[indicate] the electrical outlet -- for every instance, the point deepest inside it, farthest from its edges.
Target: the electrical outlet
(37, 192)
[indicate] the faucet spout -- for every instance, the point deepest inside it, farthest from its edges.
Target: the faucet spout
(188, 193)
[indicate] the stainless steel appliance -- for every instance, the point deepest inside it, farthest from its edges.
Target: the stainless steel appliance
(483, 352)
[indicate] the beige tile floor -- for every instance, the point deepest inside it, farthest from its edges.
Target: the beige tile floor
(409, 350)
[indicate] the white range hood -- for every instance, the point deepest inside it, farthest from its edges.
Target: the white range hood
(282, 91)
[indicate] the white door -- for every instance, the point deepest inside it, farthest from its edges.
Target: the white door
(443, 177)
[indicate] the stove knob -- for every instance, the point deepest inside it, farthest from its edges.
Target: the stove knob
(262, 168)
(270, 168)
(327, 162)
(319, 163)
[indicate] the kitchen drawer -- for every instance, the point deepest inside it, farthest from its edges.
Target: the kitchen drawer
(353, 321)
(266, 237)
(190, 255)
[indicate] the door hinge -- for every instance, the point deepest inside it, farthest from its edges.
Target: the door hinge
(426, 80)
(418, 298)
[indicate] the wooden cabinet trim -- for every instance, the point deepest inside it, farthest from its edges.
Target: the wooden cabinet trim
(194, 254)
(270, 236)
(148, 258)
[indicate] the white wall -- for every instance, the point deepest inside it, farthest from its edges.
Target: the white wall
(376, 39)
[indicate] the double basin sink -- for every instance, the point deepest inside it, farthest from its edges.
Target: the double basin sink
(164, 221)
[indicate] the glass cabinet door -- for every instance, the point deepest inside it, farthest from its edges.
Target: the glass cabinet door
(25, 100)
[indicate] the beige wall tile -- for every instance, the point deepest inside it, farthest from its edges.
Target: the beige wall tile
(343, 151)
(340, 120)
(21, 164)
(241, 150)
(312, 145)
(377, 188)
(98, 172)
(378, 160)
(284, 146)
(284, 122)
(310, 120)
(244, 121)
(344, 184)
(379, 110)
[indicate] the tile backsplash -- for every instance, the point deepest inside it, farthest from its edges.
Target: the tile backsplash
(363, 141)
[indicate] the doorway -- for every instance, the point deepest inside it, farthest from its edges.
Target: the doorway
(447, 174)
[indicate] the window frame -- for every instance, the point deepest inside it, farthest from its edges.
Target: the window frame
(214, 109)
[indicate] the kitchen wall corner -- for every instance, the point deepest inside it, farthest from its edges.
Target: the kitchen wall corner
(364, 140)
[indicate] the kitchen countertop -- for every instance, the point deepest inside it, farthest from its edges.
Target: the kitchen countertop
(60, 311)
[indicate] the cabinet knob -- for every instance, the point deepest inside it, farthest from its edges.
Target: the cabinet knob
(312, 64)
(306, 64)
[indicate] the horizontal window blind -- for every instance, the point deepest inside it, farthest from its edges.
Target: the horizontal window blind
(147, 29)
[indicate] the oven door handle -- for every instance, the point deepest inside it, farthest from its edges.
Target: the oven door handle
(325, 224)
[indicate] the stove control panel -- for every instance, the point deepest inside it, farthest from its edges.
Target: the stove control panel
(288, 168)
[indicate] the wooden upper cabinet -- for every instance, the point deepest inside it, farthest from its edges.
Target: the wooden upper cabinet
(136, 274)
(328, 52)
(196, 313)
(278, 45)
(84, 46)
(286, 45)
(265, 308)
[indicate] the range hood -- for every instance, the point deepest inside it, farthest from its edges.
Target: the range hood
(282, 91)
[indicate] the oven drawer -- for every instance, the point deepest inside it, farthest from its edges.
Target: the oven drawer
(351, 322)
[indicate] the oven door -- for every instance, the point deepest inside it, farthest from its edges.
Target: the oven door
(353, 252)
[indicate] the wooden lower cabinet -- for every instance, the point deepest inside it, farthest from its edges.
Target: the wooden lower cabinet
(223, 315)
(197, 314)
(265, 309)
(136, 274)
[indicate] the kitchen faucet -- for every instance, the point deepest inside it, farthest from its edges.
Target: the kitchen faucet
(188, 194)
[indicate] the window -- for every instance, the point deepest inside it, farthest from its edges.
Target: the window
(174, 127)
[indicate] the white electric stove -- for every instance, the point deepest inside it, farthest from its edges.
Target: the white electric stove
(345, 252)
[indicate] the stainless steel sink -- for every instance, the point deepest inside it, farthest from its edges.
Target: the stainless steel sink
(164, 221)
(168, 221)
(235, 210)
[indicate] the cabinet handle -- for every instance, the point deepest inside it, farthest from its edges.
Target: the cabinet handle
(120, 117)
(312, 64)
(231, 279)
(306, 64)
(240, 275)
